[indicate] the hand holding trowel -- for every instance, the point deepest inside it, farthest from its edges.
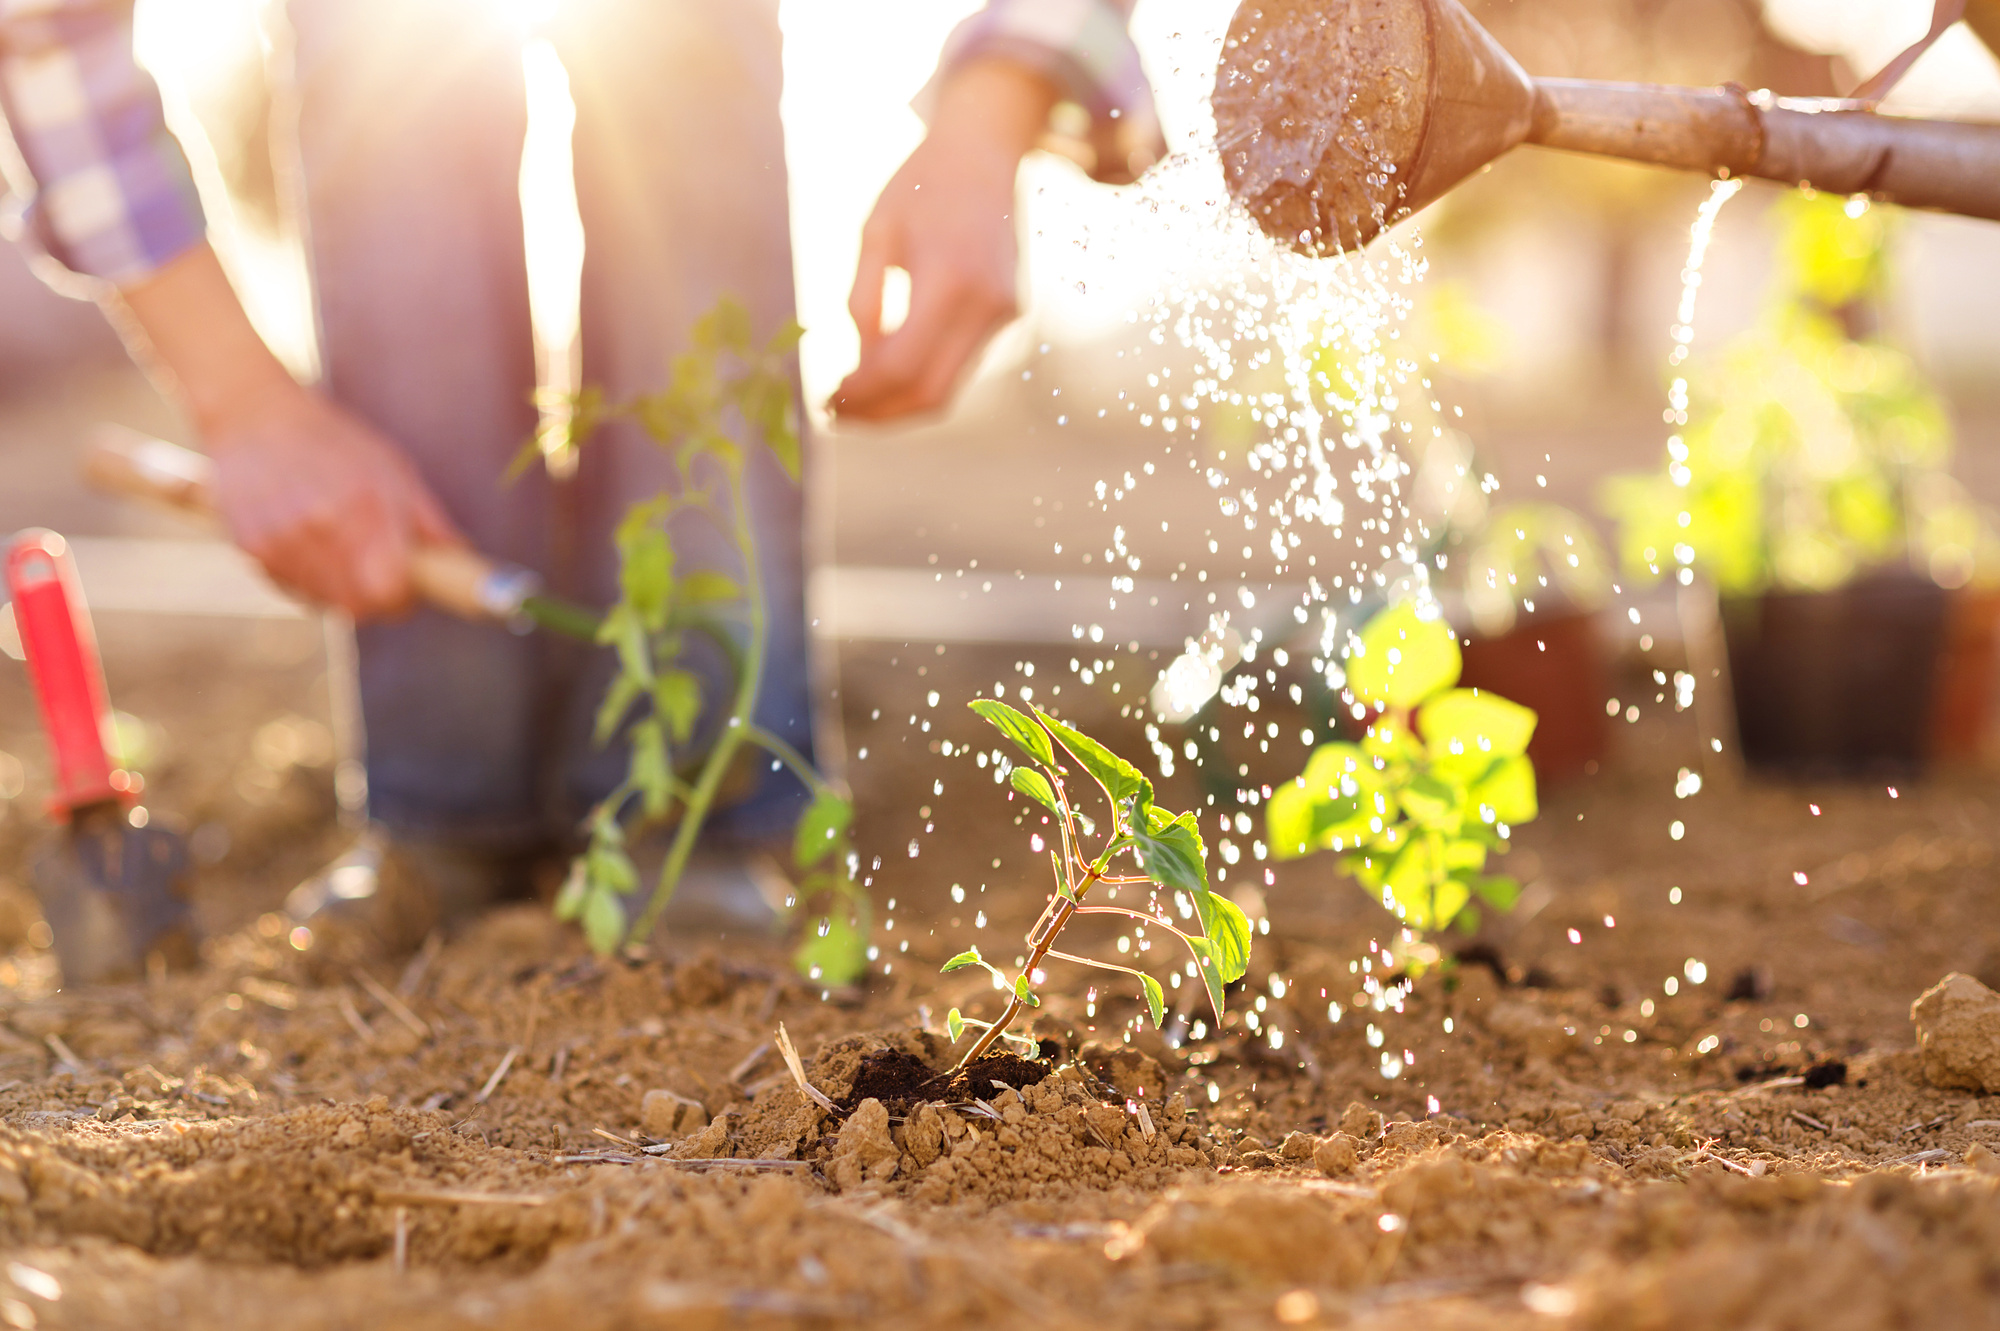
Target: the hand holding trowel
(112, 887)
(456, 580)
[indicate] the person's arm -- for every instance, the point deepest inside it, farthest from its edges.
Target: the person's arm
(329, 506)
(946, 217)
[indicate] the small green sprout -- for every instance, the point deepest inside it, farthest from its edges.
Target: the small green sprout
(1165, 847)
(1438, 781)
(723, 380)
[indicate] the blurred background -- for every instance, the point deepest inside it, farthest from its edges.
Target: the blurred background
(1551, 290)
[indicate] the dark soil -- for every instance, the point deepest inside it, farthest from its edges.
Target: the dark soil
(901, 1080)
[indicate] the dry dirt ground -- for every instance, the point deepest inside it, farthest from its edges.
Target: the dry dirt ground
(463, 1138)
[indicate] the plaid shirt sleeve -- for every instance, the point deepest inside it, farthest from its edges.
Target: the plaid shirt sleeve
(99, 183)
(1083, 47)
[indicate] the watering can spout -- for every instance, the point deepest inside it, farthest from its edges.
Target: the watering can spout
(1335, 118)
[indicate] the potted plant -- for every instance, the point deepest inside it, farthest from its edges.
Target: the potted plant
(1436, 784)
(1808, 484)
(1522, 584)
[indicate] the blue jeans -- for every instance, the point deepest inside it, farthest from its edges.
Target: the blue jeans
(410, 118)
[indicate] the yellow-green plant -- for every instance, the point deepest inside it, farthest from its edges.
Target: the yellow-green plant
(1813, 450)
(1165, 847)
(1436, 784)
(725, 396)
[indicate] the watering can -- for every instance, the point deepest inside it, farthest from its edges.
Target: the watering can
(1336, 118)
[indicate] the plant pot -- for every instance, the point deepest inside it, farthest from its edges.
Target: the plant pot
(1551, 662)
(1869, 677)
(1962, 708)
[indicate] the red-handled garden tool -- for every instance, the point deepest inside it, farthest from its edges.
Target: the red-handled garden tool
(112, 888)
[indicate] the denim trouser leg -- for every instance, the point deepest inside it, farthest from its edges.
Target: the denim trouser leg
(410, 126)
(680, 173)
(411, 116)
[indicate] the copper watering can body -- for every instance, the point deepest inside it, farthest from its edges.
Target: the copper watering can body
(1336, 118)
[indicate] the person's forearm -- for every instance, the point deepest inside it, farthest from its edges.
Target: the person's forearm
(997, 102)
(185, 324)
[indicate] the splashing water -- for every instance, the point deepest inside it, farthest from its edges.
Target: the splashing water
(1299, 358)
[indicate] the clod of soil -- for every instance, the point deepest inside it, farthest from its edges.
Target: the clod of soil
(1958, 1034)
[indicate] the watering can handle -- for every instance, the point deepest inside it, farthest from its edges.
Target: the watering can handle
(61, 651)
(454, 579)
(1946, 13)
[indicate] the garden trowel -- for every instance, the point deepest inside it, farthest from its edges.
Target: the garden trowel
(113, 888)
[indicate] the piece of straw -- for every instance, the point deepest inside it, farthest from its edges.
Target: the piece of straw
(499, 1074)
(798, 1070)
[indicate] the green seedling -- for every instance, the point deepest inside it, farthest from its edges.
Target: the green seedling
(1165, 847)
(1435, 785)
(724, 383)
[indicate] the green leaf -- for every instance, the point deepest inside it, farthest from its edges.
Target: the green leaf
(1224, 955)
(954, 1025)
(618, 699)
(1170, 852)
(646, 564)
(1448, 898)
(705, 586)
(1433, 803)
(1156, 1000)
(1024, 993)
(1120, 779)
(1335, 795)
(820, 828)
(1509, 790)
(1227, 930)
(1036, 787)
(610, 868)
(1211, 976)
(766, 403)
(576, 887)
(725, 327)
(783, 441)
(650, 769)
(624, 629)
(785, 339)
(1291, 820)
(1400, 660)
(969, 957)
(1498, 892)
(839, 956)
(1390, 745)
(1426, 896)
(603, 922)
(1030, 738)
(1468, 721)
(1459, 855)
(677, 698)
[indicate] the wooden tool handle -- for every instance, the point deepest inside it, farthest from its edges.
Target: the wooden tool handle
(454, 579)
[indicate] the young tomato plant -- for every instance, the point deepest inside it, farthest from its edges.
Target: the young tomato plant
(724, 381)
(1165, 847)
(1436, 783)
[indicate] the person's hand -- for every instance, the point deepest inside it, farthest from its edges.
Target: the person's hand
(330, 508)
(947, 219)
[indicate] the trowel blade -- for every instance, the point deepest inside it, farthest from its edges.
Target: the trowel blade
(114, 896)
